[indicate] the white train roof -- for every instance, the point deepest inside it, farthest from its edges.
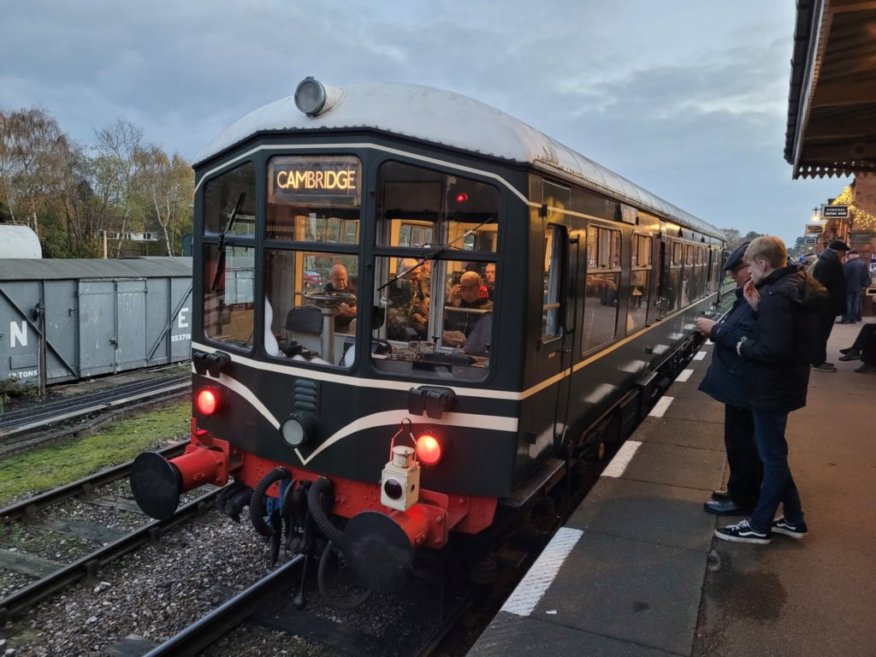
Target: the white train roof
(449, 119)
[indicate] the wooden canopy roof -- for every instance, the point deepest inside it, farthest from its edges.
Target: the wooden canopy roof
(832, 102)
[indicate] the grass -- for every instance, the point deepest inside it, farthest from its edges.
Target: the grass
(31, 472)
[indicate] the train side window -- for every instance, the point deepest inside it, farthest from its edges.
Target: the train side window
(602, 284)
(640, 282)
(555, 248)
(229, 294)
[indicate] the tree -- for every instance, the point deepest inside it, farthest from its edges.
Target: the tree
(165, 186)
(116, 167)
(33, 161)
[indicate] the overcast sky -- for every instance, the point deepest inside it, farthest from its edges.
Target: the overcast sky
(687, 98)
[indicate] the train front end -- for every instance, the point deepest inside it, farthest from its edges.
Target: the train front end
(340, 383)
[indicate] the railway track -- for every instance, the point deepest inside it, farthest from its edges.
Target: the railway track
(22, 428)
(33, 525)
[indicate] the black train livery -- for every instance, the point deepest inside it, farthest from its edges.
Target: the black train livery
(446, 399)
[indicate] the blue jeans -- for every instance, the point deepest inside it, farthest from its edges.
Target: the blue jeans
(778, 485)
(853, 306)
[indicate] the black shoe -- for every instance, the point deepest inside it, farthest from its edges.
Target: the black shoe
(742, 532)
(720, 495)
(725, 508)
(842, 321)
(847, 350)
(782, 526)
(851, 354)
(866, 368)
(824, 367)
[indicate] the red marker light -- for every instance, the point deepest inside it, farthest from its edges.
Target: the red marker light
(462, 197)
(207, 401)
(428, 449)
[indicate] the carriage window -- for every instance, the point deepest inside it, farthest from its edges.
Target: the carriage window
(640, 280)
(229, 202)
(420, 207)
(314, 198)
(603, 280)
(311, 306)
(435, 318)
(228, 294)
(554, 250)
(434, 286)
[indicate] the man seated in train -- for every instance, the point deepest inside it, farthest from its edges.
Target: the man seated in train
(340, 282)
(466, 297)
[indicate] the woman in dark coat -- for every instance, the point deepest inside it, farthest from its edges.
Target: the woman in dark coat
(786, 302)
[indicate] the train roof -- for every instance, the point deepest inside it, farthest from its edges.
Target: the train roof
(12, 269)
(449, 119)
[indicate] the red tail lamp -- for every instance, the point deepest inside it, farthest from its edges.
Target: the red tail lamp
(428, 449)
(207, 401)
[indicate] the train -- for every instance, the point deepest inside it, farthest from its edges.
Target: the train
(432, 412)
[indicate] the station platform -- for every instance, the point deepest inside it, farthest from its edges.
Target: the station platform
(637, 572)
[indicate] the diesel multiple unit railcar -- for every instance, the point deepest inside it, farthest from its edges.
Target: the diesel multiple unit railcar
(419, 416)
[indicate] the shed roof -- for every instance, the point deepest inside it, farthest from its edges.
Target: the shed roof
(832, 101)
(19, 269)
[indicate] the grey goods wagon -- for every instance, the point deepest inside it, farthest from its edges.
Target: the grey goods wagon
(85, 317)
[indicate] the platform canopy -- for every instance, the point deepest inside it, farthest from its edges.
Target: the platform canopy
(832, 102)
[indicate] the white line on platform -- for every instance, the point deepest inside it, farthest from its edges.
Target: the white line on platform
(536, 582)
(622, 459)
(661, 406)
(684, 375)
(699, 355)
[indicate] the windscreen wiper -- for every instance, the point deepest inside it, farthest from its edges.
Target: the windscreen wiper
(220, 266)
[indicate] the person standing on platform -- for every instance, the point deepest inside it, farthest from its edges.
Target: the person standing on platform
(857, 275)
(785, 301)
(726, 381)
(828, 271)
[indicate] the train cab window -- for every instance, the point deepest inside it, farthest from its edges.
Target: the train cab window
(601, 291)
(311, 306)
(312, 268)
(434, 285)
(640, 282)
(229, 256)
(419, 207)
(229, 308)
(229, 203)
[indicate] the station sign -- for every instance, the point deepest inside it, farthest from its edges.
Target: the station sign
(315, 180)
(835, 211)
(814, 229)
(810, 239)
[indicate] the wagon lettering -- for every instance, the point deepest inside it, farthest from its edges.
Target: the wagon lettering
(18, 333)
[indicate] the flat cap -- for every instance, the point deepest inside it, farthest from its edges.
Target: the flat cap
(735, 258)
(836, 245)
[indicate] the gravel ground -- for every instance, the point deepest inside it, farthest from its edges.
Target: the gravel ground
(151, 593)
(157, 591)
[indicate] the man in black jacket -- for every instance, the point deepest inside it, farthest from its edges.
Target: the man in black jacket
(726, 380)
(785, 302)
(828, 271)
